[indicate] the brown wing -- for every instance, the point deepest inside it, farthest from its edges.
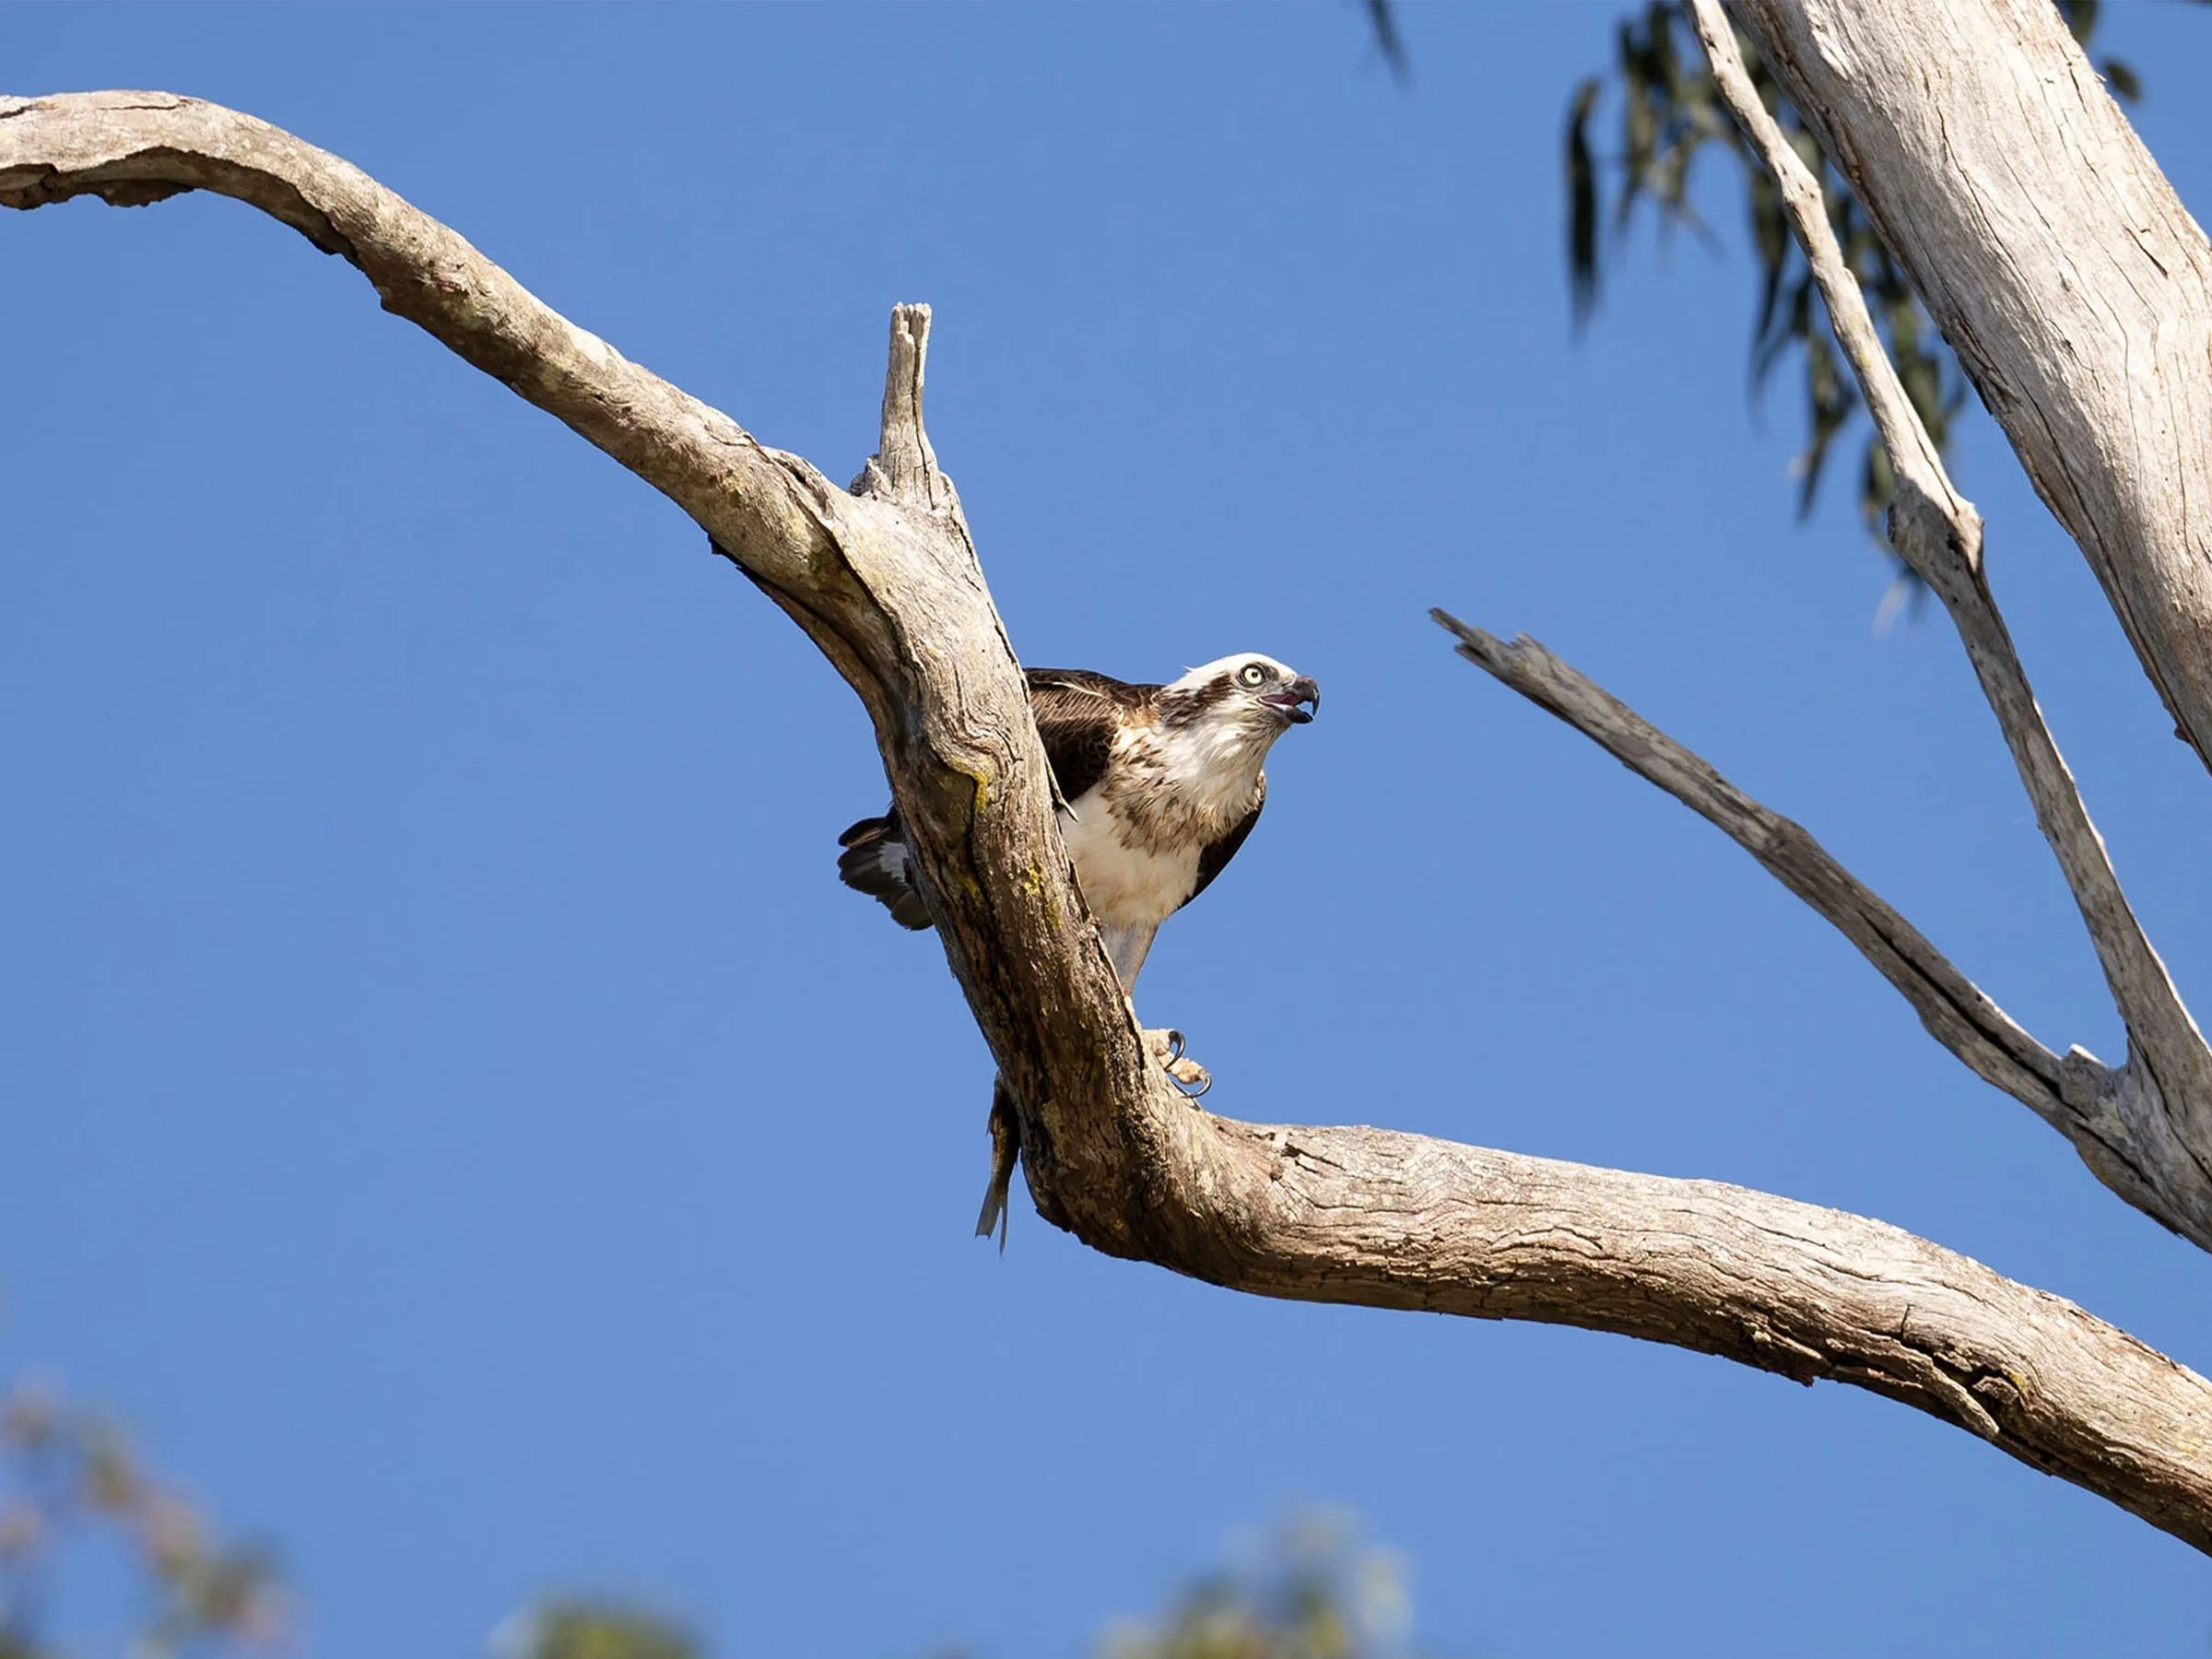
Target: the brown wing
(1214, 859)
(1078, 714)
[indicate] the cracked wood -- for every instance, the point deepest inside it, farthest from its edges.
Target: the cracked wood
(2056, 259)
(2145, 1128)
(886, 582)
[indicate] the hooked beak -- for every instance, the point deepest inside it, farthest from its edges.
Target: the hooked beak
(1292, 702)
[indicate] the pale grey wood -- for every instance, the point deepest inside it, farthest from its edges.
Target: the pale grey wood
(2145, 1130)
(2059, 264)
(1950, 1005)
(1387, 1219)
(887, 583)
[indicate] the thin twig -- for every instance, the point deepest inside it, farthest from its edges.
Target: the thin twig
(1953, 1008)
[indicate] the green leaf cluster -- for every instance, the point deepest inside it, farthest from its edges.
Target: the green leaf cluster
(1667, 112)
(580, 1630)
(1312, 1589)
(66, 1472)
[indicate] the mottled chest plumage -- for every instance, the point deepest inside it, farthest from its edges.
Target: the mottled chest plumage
(1159, 786)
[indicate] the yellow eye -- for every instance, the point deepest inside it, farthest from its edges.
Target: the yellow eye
(1252, 673)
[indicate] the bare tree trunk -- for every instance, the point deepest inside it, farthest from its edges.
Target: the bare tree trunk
(886, 582)
(2059, 264)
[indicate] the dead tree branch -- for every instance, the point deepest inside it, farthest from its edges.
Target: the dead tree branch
(2054, 256)
(887, 583)
(1952, 1006)
(2146, 1129)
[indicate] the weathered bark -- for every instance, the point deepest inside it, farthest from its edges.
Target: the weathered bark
(2059, 264)
(887, 583)
(1954, 1010)
(2144, 1129)
(2118, 1120)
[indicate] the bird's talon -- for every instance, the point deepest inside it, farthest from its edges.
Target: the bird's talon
(1169, 1050)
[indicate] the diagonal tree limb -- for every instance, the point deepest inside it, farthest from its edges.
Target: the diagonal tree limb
(1955, 1011)
(2051, 249)
(2146, 1129)
(130, 148)
(887, 583)
(1953, 1008)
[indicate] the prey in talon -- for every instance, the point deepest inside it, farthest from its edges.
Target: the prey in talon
(1160, 785)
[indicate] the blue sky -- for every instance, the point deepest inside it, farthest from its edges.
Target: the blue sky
(458, 1118)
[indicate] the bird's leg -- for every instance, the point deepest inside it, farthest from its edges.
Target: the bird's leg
(1005, 1149)
(1166, 1047)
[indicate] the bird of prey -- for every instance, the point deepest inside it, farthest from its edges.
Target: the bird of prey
(1158, 784)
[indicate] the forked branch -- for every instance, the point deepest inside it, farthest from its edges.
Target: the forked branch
(2060, 265)
(2146, 1130)
(887, 583)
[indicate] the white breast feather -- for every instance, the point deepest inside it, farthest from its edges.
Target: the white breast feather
(1125, 884)
(1136, 838)
(1212, 768)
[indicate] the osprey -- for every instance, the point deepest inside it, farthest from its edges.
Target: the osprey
(1160, 785)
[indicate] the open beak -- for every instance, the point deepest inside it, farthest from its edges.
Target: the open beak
(1298, 703)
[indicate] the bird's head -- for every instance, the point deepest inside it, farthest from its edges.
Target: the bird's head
(1252, 697)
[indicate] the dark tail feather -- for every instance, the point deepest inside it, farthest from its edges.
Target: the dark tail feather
(1005, 1147)
(876, 862)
